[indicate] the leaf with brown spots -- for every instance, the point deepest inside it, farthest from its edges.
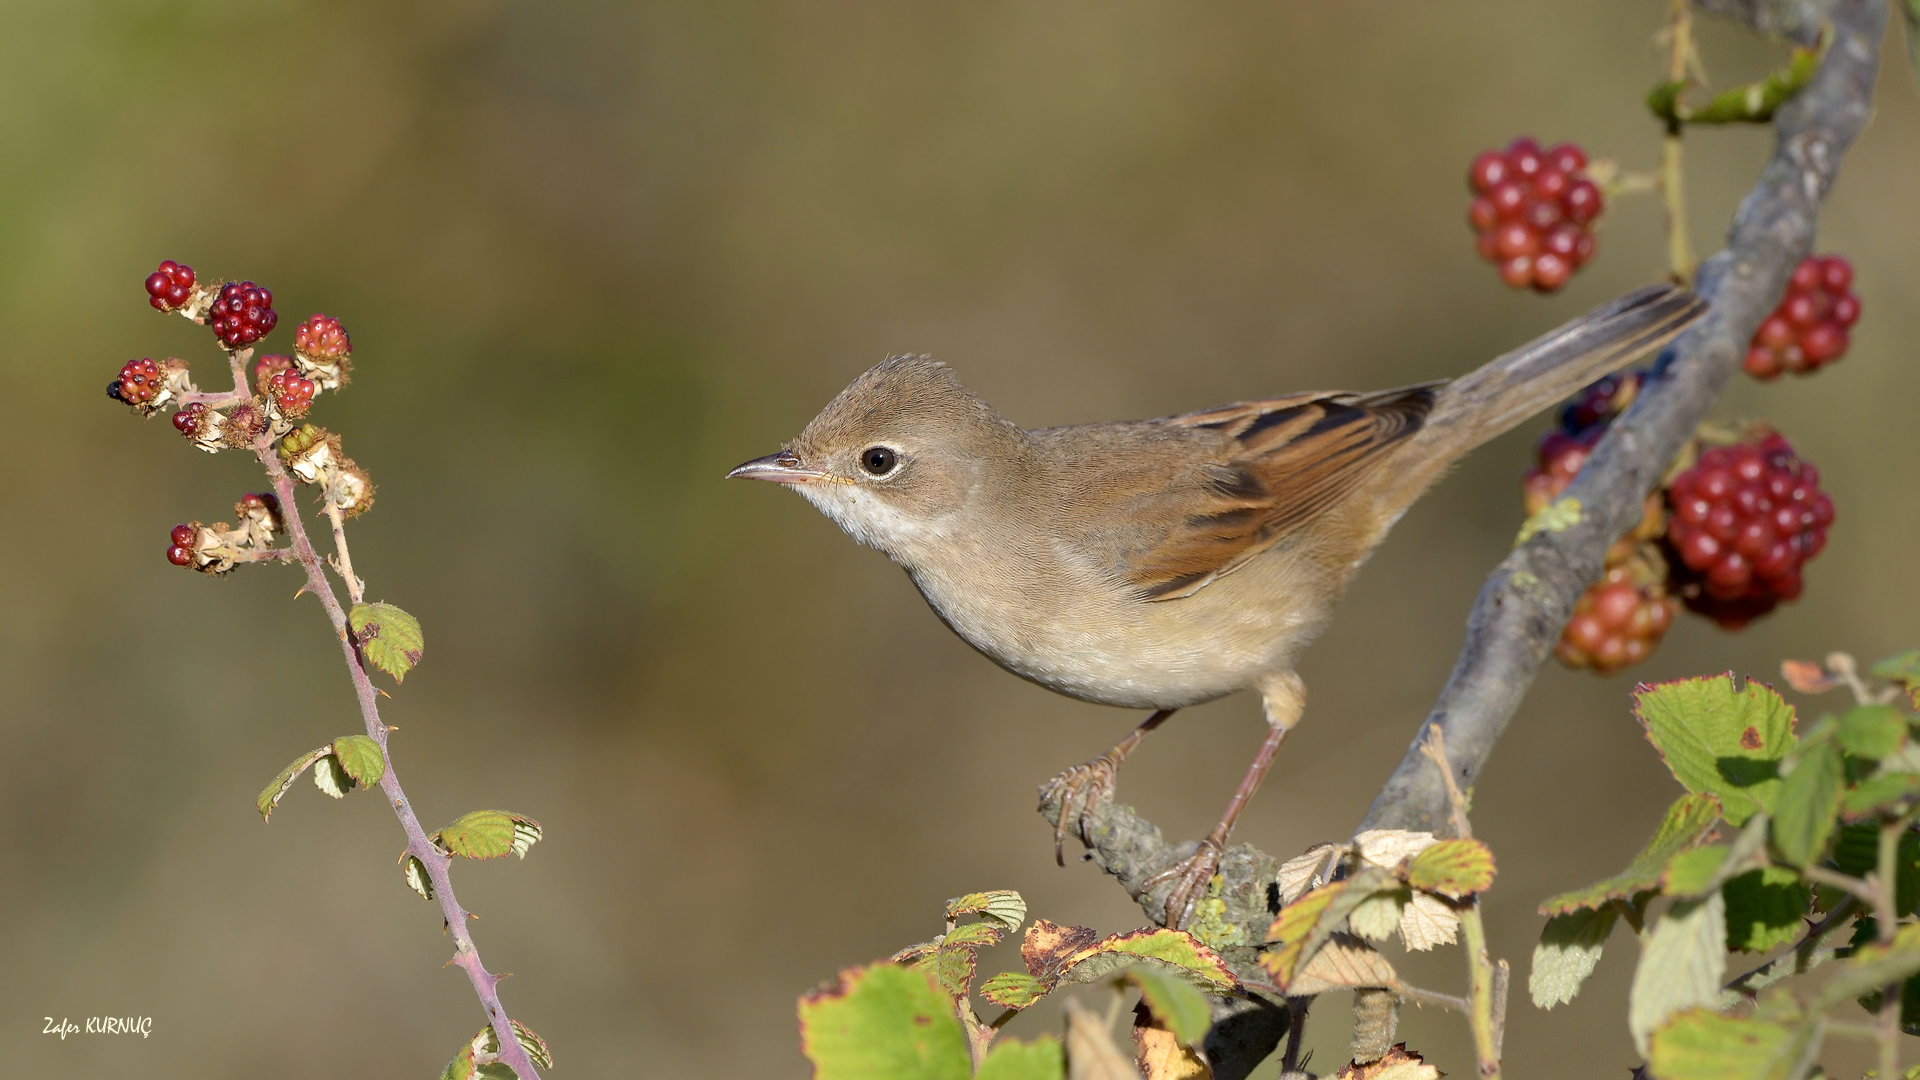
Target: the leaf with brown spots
(1399, 1064)
(1048, 945)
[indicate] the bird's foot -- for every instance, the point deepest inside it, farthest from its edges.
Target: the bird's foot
(1191, 877)
(1089, 784)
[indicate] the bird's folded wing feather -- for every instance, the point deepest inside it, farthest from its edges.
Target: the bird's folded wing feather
(1279, 464)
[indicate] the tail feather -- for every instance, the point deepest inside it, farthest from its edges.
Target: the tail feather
(1507, 390)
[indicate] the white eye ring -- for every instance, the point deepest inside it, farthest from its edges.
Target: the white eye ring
(879, 460)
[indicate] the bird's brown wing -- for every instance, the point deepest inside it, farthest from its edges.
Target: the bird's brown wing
(1282, 462)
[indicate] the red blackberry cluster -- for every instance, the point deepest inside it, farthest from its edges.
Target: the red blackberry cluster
(1532, 210)
(1618, 621)
(265, 368)
(188, 420)
(1745, 519)
(242, 314)
(170, 286)
(1809, 328)
(1561, 452)
(291, 392)
(139, 381)
(181, 551)
(322, 339)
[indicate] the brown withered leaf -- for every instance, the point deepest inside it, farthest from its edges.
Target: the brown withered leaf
(1297, 874)
(1343, 963)
(1048, 945)
(1159, 1054)
(1807, 676)
(1399, 1064)
(1091, 1054)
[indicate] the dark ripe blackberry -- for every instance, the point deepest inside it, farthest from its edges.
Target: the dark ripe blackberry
(1602, 401)
(1810, 327)
(179, 556)
(170, 286)
(242, 314)
(187, 420)
(183, 535)
(113, 390)
(1531, 211)
(1745, 519)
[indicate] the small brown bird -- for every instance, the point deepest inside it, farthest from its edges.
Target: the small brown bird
(1156, 564)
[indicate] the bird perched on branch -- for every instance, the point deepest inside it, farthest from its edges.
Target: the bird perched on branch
(1156, 564)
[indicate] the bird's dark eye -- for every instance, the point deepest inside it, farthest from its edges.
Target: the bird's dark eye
(879, 460)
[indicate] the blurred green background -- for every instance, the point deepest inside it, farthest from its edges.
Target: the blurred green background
(592, 254)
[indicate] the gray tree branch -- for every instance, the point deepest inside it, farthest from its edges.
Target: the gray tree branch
(1530, 595)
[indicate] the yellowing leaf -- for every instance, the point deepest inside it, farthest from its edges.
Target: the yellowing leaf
(360, 758)
(1013, 989)
(1344, 963)
(1686, 822)
(1305, 924)
(488, 834)
(1452, 868)
(1701, 1044)
(1427, 921)
(1720, 741)
(1160, 1055)
(1002, 906)
(1306, 871)
(1047, 947)
(976, 935)
(1388, 848)
(1091, 1054)
(271, 795)
(1398, 1064)
(883, 1021)
(416, 875)
(1174, 951)
(389, 638)
(1378, 916)
(1174, 1003)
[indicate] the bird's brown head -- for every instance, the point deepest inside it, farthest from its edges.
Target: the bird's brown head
(899, 452)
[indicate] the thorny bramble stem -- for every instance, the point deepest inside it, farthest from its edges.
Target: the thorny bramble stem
(342, 562)
(1484, 985)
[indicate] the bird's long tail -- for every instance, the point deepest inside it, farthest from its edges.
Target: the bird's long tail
(1507, 390)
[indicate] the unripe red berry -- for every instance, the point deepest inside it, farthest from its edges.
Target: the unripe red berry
(1809, 328)
(1531, 211)
(139, 381)
(1746, 518)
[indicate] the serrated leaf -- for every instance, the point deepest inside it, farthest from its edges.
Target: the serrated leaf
(488, 834)
(1003, 906)
(1874, 794)
(1689, 873)
(952, 971)
(1305, 871)
(1378, 916)
(1720, 741)
(1304, 925)
(1174, 951)
(1905, 668)
(389, 638)
(1701, 1044)
(360, 758)
(416, 875)
(1344, 963)
(1569, 950)
(1427, 921)
(1388, 848)
(976, 935)
(1011, 1059)
(271, 795)
(1173, 1002)
(1766, 908)
(486, 1045)
(330, 778)
(1871, 731)
(1683, 964)
(1160, 1055)
(1013, 989)
(1453, 868)
(1048, 946)
(1807, 809)
(883, 1021)
(1687, 820)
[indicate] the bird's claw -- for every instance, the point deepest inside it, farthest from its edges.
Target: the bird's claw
(1191, 877)
(1092, 783)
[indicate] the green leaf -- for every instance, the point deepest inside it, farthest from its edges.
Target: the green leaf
(1871, 967)
(1003, 906)
(488, 834)
(330, 778)
(1874, 794)
(976, 935)
(271, 795)
(487, 1045)
(1013, 989)
(1011, 1059)
(1173, 951)
(1686, 822)
(1568, 951)
(952, 971)
(1720, 741)
(1378, 916)
(1682, 965)
(1690, 873)
(1701, 1044)
(1807, 809)
(416, 875)
(1766, 907)
(1872, 731)
(1453, 868)
(883, 1022)
(1905, 668)
(1176, 1004)
(360, 758)
(388, 637)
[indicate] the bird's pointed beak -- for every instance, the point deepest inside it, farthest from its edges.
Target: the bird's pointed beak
(781, 468)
